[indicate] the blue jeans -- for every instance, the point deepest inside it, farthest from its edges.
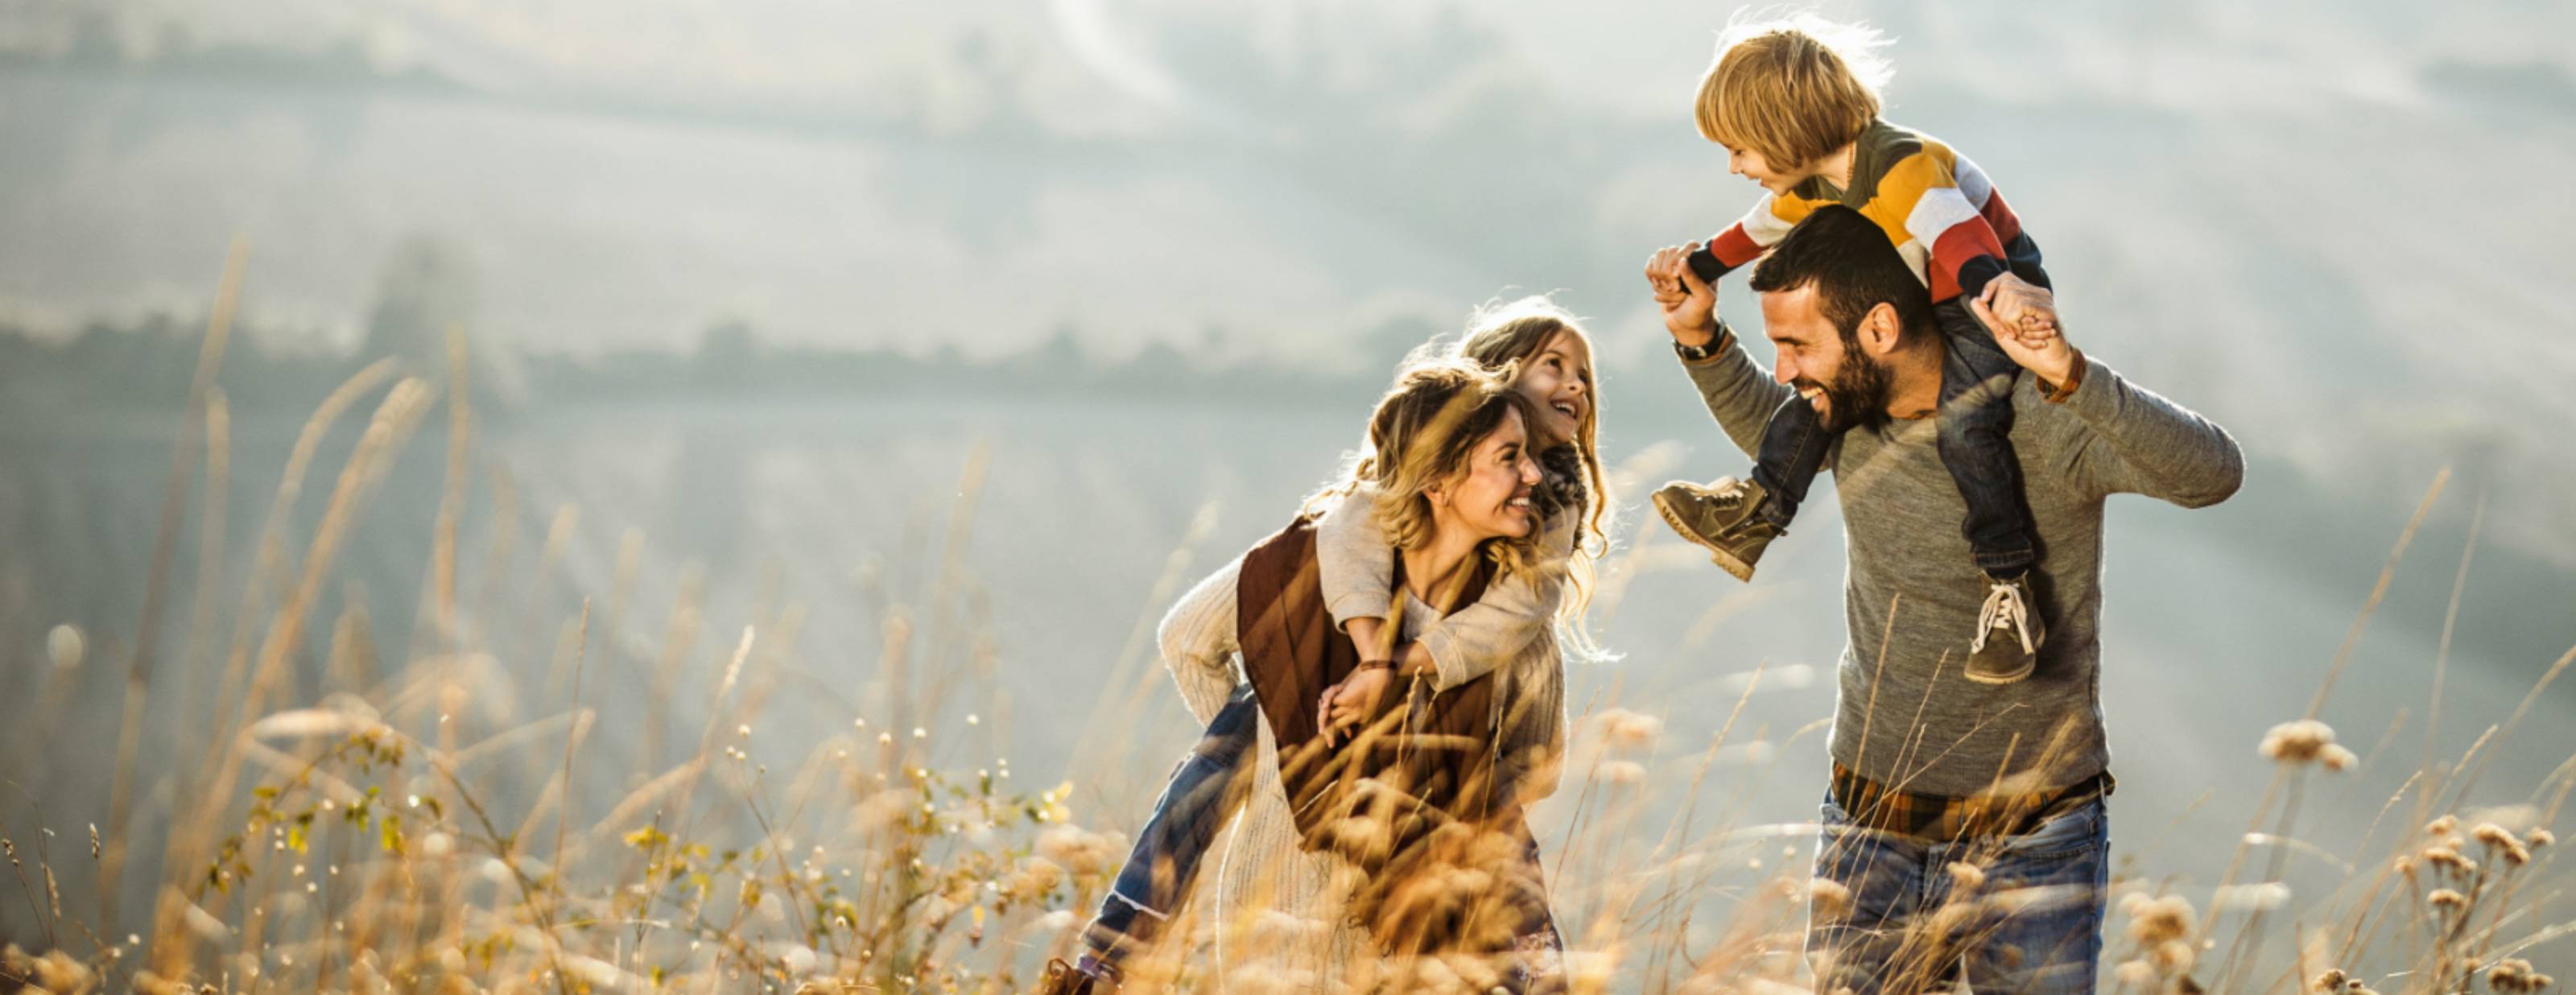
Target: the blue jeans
(2051, 943)
(1206, 788)
(1975, 428)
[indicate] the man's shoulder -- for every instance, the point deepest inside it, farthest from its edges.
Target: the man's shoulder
(2040, 421)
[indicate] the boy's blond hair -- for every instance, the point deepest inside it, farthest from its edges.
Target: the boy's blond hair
(1793, 89)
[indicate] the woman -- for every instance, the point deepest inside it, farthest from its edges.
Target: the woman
(1548, 357)
(1450, 475)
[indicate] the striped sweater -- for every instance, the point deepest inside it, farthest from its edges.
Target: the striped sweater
(1945, 217)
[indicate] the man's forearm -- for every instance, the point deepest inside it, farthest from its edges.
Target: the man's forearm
(2158, 448)
(1739, 393)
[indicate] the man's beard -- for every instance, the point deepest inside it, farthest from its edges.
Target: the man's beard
(1858, 396)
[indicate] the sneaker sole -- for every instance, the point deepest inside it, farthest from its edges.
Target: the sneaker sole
(2003, 679)
(1730, 562)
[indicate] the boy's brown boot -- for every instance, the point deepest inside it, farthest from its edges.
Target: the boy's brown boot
(2009, 633)
(1724, 517)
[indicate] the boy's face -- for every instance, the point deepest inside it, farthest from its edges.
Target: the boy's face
(1753, 166)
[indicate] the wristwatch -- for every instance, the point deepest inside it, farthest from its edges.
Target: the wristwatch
(1701, 353)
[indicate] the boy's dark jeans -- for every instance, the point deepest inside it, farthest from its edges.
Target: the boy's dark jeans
(1974, 436)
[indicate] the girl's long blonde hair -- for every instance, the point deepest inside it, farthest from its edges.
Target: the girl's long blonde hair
(1504, 337)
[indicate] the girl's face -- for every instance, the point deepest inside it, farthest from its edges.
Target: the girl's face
(1558, 380)
(1491, 499)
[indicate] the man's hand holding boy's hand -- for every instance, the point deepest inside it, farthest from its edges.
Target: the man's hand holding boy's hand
(1688, 302)
(2049, 356)
(2029, 311)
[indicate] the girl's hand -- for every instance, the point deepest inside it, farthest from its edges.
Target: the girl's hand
(1348, 705)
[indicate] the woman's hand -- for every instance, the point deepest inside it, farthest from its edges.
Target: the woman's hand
(1349, 705)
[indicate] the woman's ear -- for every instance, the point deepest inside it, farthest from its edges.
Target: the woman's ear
(1437, 493)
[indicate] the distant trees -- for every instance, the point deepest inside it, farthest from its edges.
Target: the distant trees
(426, 288)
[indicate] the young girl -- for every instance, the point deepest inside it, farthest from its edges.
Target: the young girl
(1550, 359)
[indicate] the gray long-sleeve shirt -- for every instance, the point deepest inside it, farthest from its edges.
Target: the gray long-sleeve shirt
(1904, 716)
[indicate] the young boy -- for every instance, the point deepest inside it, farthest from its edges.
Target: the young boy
(1796, 106)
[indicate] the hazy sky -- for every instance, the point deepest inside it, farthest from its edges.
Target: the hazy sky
(631, 172)
(2271, 209)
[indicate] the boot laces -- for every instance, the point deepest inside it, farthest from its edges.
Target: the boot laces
(2003, 608)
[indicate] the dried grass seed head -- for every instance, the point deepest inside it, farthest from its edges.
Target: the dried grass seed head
(1828, 899)
(2154, 920)
(1965, 876)
(2297, 742)
(1631, 730)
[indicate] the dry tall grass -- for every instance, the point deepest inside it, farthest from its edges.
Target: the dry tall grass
(377, 839)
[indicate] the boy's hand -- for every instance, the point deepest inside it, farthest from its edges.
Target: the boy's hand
(1689, 304)
(2049, 356)
(2028, 311)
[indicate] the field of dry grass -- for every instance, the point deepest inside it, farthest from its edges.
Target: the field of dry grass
(354, 818)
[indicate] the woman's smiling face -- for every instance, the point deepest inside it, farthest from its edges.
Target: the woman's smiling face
(1558, 382)
(1491, 499)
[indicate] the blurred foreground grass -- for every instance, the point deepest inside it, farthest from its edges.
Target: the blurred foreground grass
(354, 818)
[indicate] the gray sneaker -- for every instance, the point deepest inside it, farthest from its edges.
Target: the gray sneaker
(2009, 633)
(1724, 517)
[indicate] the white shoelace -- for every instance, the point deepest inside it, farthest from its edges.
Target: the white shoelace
(2003, 607)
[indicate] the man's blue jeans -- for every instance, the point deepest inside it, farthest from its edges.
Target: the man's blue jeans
(1206, 789)
(2047, 939)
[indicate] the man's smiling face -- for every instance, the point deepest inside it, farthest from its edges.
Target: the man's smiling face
(1844, 384)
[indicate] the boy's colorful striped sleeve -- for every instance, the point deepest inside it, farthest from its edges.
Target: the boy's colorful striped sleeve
(1951, 207)
(1746, 240)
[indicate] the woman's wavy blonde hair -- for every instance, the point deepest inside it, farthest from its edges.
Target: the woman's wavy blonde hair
(1424, 432)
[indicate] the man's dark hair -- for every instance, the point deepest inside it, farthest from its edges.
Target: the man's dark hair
(1853, 267)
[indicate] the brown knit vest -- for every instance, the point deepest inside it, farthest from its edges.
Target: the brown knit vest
(1412, 793)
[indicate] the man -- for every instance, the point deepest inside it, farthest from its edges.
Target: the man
(1946, 792)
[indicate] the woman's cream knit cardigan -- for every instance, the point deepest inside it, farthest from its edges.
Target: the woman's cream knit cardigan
(1278, 909)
